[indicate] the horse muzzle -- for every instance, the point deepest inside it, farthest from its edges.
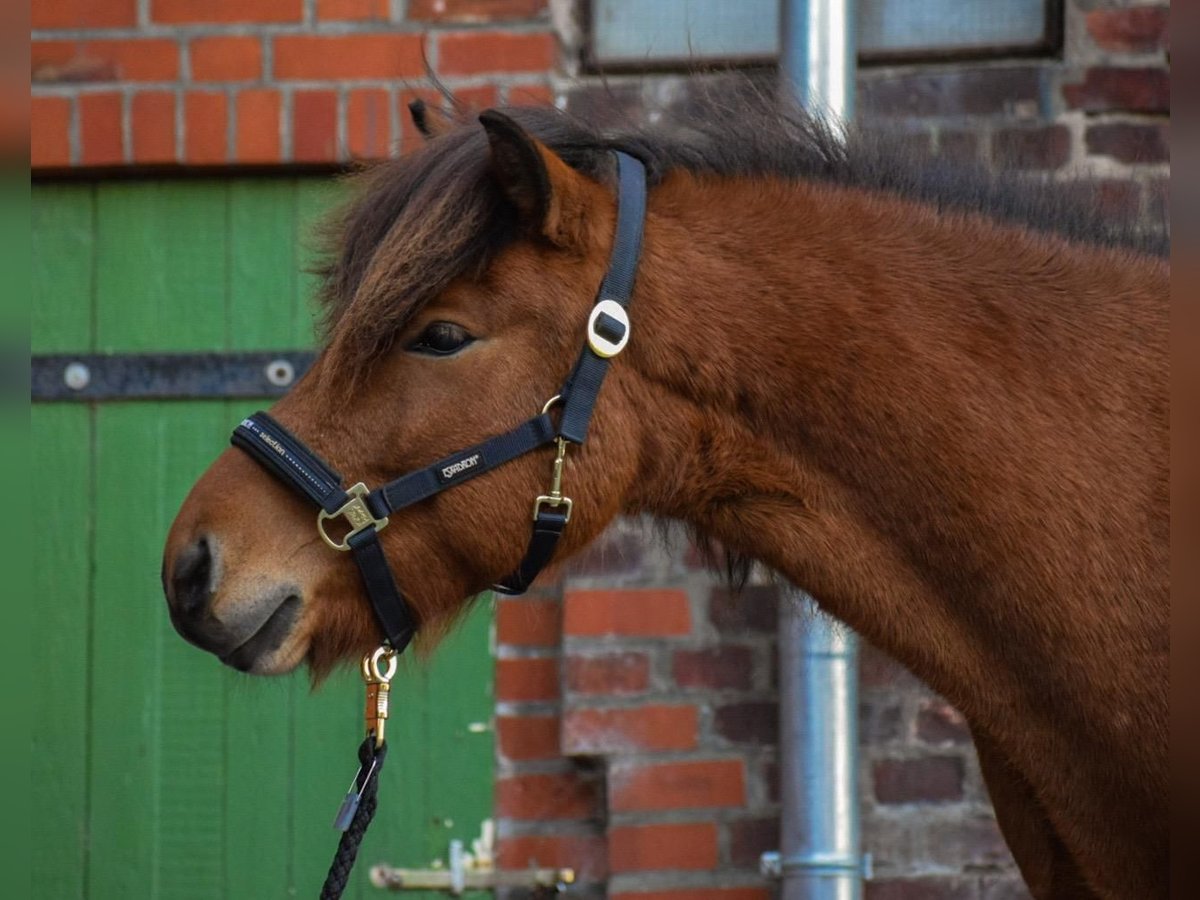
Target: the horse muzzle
(244, 640)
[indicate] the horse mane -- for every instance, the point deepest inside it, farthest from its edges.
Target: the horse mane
(436, 215)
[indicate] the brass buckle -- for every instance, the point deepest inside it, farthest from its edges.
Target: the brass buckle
(555, 497)
(357, 515)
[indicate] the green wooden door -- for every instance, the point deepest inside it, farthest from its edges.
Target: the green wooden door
(161, 773)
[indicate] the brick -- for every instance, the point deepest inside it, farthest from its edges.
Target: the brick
(644, 728)
(153, 127)
(1159, 196)
(584, 853)
(959, 146)
(136, 59)
(352, 10)
(368, 124)
(527, 738)
(181, 12)
(1109, 88)
(930, 779)
(474, 10)
(748, 723)
(726, 893)
(552, 796)
(1142, 29)
(473, 100)
(49, 132)
(226, 59)
(928, 888)
(694, 784)
(1130, 142)
(629, 613)
(728, 666)
(879, 721)
(205, 129)
(526, 623)
(540, 94)
(83, 14)
(642, 848)
(613, 673)
(339, 57)
(964, 842)
(314, 126)
(258, 139)
(997, 887)
(751, 838)
(1042, 148)
(479, 52)
(984, 91)
(100, 135)
(753, 608)
(940, 723)
(526, 680)
(878, 670)
(617, 551)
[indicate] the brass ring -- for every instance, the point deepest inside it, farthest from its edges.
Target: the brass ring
(370, 665)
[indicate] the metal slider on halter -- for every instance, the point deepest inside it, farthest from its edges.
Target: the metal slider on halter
(356, 513)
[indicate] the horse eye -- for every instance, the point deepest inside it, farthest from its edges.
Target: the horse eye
(441, 339)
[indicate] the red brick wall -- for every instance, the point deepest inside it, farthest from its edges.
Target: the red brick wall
(637, 730)
(251, 82)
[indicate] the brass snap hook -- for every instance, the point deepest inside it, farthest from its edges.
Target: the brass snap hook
(378, 669)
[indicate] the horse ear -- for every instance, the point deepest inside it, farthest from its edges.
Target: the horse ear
(551, 198)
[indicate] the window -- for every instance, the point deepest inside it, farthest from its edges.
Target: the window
(671, 33)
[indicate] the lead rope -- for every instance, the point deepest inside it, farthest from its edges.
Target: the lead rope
(358, 808)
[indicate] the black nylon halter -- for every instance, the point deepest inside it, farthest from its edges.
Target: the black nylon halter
(287, 458)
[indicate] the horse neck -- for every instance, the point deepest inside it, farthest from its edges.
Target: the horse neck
(888, 407)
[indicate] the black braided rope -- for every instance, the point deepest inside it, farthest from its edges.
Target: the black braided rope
(370, 760)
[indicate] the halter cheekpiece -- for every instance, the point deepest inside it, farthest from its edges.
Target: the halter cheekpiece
(367, 512)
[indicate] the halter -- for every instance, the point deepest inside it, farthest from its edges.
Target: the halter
(367, 512)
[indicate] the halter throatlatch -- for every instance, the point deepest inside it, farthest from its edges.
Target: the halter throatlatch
(365, 513)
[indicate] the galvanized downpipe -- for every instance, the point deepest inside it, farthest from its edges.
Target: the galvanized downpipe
(820, 852)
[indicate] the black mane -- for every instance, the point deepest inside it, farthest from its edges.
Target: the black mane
(423, 220)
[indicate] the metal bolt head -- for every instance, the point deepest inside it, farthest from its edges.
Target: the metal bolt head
(280, 372)
(77, 376)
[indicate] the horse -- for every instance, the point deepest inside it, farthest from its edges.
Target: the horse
(937, 402)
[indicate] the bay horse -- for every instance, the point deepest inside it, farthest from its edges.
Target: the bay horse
(938, 404)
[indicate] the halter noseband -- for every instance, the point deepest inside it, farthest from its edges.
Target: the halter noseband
(367, 512)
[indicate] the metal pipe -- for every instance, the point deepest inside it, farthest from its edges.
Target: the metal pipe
(819, 55)
(820, 853)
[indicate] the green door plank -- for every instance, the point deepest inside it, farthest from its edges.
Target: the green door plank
(264, 267)
(161, 284)
(191, 686)
(63, 264)
(263, 271)
(328, 730)
(62, 471)
(315, 200)
(441, 729)
(160, 274)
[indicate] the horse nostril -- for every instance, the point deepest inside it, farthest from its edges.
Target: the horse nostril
(192, 578)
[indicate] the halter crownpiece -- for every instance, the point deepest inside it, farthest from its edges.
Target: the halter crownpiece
(367, 512)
